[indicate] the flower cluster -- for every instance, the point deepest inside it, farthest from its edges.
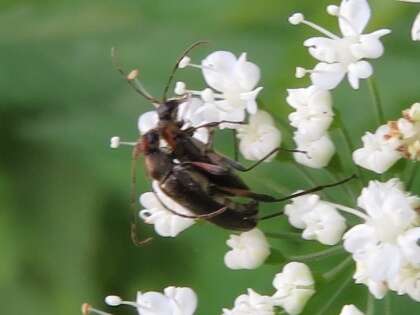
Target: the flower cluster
(312, 117)
(231, 97)
(391, 142)
(386, 246)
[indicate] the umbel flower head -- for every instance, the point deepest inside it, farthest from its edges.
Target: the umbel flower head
(385, 247)
(345, 55)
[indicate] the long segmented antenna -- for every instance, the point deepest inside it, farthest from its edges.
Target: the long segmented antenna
(132, 79)
(133, 202)
(175, 68)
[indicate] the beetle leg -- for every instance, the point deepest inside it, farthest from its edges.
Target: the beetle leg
(268, 198)
(133, 203)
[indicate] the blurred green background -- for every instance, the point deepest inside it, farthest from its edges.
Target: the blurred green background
(64, 195)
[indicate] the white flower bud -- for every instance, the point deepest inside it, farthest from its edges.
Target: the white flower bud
(350, 310)
(113, 300)
(295, 286)
(296, 18)
(184, 62)
(249, 250)
(115, 142)
(180, 88)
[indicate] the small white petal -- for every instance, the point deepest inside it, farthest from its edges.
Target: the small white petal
(359, 70)
(377, 154)
(259, 137)
(295, 286)
(356, 15)
(147, 121)
(299, 207)
(185, 300)
(327, 76)
(324, 224)
(409, 243)
(251, 304)
(319, 152)
(369, 45)
(350, 310)
(249, 250)
(157, 304)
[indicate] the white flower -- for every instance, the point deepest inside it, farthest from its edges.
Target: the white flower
(249, 250)
(415, 31)
(378, 153)
(174, 301)
(295, 286)
(251, 304)
(259, 137)
(339, 56)
(324, 224)
(299, 207)
(350, 310)
(235, 78)
(313, 115)
(318, 152)
(232, 91)
(410, 246)
(166, 223)
(374, 244)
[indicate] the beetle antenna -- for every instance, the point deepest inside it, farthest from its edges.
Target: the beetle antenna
(133, 201)
(132, 78)
(175, 68)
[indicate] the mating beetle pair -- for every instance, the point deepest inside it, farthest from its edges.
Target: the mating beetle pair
(192, 173)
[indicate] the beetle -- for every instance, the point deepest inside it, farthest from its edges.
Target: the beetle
(219, 169)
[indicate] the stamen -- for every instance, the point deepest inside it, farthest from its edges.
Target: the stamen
(184, 62)
(355, 212)
(114, 300)
(207, 95)
(87, 309)
(299, 18)
(116, 142)
(301, 72)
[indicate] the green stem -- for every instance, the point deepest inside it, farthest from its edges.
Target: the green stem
(388, 304)
(376, 100)
(412, 174)
(330, 275)
(349, 144)
(370, 307)
(337, 292)
(318, 255)
(285, 235)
